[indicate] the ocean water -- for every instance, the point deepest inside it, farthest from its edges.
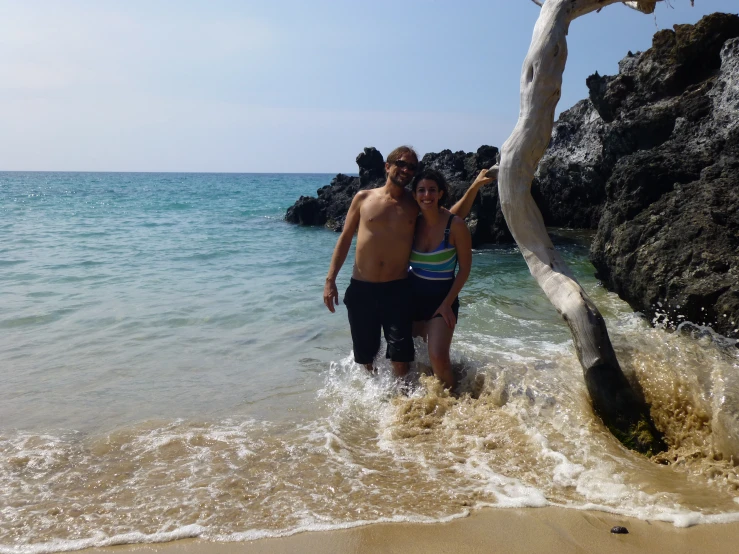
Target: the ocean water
(168, 370)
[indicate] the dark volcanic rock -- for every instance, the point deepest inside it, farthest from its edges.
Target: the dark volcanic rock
(677, 260)
(371, 166)
(569, 184)
(647, 160)
(677, 60)
(306, 211)
(460, 168)
(667, 241)
(334, 199)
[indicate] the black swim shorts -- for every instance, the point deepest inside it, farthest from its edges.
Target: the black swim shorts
(375, 306)
(428, 296)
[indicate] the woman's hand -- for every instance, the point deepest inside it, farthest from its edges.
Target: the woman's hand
(492, 172)
(446, 312)
(485, 177)
(464, 205)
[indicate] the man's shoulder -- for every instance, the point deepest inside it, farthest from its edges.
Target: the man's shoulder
(360, 197)
(363, 194)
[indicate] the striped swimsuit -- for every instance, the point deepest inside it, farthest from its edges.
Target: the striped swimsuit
(432, 275)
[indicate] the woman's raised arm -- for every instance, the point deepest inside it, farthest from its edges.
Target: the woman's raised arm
(464, 205)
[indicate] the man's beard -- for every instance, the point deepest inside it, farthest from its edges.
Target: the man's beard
(398, 181)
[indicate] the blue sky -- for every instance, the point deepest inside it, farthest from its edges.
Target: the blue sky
(280, 86)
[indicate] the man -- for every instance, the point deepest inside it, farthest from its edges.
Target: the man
(378, 295)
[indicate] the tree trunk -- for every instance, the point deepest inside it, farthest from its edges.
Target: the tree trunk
(623, 411)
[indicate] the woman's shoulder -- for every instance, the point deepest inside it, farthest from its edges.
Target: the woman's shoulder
(459, 227)
(446, 215)
(453, 219)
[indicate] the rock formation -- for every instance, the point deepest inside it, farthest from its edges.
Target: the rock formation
(334, 199)
(650, 161)
(668, 238)
(460, 168)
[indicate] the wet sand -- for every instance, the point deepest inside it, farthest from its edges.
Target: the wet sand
(489, 530)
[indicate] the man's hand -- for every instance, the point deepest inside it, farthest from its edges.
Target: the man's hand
(330, 295)
(447, 314)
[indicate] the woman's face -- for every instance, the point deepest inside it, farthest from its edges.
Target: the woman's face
(428, 194)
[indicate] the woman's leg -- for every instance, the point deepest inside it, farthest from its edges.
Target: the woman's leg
(440, 340)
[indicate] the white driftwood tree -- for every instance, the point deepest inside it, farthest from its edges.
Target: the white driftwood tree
(622, 410)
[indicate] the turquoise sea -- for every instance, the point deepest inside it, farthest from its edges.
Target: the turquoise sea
(168, 370)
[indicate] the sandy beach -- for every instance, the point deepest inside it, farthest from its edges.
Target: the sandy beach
(488, 530)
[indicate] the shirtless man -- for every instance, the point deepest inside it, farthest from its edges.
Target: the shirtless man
(378, 295)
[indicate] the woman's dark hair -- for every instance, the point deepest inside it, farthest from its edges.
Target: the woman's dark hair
(436, 177)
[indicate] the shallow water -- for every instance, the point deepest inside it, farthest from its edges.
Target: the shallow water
(167, 369)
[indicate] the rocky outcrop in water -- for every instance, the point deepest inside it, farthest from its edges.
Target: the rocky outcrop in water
(668, 238)
(333, 201)
(650, 161)
(460, 168)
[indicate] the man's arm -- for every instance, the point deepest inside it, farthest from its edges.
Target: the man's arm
(464, 205)
(351, 223)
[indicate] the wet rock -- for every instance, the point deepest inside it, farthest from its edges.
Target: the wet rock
(668, 238)
(332, 204)
(306, 211)
(618, 530)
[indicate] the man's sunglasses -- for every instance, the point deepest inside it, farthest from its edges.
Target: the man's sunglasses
(405, 165)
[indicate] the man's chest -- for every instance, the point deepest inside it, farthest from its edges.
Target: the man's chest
(388, 214)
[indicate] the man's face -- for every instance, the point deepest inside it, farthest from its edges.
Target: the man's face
(401, 171)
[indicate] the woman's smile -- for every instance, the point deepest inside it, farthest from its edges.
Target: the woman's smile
(427, 194)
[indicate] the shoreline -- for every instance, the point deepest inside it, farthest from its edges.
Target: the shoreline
(513, 530)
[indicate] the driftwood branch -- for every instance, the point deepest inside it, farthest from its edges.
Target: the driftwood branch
(621, 409)
(642, 6)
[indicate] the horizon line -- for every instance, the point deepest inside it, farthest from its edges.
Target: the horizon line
(180, 172)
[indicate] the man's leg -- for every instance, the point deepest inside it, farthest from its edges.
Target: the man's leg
(364, 322)
(420, 329)
(400, 369)
(397, 324)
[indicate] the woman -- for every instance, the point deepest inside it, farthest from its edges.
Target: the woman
(441, 242)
